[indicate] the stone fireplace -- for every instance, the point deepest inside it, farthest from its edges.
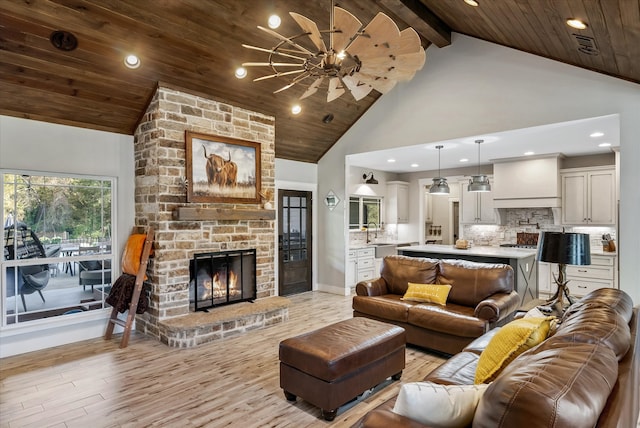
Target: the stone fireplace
(185, 229)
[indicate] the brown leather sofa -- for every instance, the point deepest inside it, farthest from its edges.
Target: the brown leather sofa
(481, 297)
(586, 374)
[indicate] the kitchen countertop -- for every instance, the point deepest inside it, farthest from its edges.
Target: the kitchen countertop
(375, 244)
(483, 251)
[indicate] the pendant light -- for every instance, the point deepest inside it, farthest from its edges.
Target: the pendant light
(479, 182)
(439, 185)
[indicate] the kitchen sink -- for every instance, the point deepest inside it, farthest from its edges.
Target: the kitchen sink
(383, 250)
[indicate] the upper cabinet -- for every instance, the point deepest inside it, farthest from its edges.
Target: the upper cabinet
(477, 207)
(397, 202)
(589, 196)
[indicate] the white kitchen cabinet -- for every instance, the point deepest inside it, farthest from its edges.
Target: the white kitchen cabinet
(397, 202)
(582, 279)
(589, 196)
(428, 207)
(360, 265)
(476, 207)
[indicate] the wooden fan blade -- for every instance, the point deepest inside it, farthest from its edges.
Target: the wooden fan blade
(284, 87)
(271, 51)
(272, 64)
(335, 89)
(379, 35)
(284, 39)
(409, 42)
(310, 27)
(257, 79)
(312, 89)
(358, 89)
(346, 26)
(399, 67)
(380, 84)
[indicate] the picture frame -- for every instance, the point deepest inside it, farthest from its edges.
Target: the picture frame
(222, 169)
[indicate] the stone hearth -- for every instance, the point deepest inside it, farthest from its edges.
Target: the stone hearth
(160, 194)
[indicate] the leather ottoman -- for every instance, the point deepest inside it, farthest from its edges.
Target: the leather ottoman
(330, 366)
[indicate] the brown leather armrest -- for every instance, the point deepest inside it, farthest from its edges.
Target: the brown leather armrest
(497, 306)
(377, 287)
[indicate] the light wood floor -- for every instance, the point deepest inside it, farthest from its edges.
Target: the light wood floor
(234, 382)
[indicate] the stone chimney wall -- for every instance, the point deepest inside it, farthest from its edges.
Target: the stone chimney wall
(160, 175)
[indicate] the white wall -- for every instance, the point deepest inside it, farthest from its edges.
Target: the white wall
(43, 147)
(473, 87)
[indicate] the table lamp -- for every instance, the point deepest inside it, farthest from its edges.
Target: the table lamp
(564, 249)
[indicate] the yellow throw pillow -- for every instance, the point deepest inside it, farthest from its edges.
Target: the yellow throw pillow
(509, 342)
(431, 293)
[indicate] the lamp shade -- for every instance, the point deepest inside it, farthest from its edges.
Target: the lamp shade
(439, 186)
(564, 248)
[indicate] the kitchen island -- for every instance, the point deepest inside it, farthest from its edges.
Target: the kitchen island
(522, 260)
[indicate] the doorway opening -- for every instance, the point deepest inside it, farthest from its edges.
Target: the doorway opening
(294, 242)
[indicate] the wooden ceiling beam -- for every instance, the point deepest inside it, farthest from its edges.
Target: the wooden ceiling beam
(421, 19)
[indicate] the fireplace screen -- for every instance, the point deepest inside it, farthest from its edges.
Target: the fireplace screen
(222, 278)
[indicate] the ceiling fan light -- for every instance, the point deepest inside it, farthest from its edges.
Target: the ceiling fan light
(479, 183)
(439, 186)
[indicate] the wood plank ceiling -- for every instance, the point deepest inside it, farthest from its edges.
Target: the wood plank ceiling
(195, 45)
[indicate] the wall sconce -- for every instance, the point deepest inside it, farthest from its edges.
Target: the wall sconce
(369, 178)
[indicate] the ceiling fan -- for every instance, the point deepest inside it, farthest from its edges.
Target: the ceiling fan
(357, 58)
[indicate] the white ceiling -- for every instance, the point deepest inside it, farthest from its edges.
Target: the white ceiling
(569, 138)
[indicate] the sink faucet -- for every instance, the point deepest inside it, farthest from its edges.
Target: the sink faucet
(376, 232)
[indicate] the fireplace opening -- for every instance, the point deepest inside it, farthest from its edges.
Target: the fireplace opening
(222, 278)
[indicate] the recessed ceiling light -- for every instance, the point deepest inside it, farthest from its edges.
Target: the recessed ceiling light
(241, 72)
(132, 61)
(391, 160)
(604, 145)
(296, 109)
(274, 22)
(529, 153)
(473, 3)
(576, 23)
(414, 165)
(464, 160)
(596, 134)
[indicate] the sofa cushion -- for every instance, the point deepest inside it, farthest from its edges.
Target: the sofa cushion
(452, 319)
(398, 271)
(598, 324)
(611, 298)
(389, 307)
(444, 406)
(557, 384)
(429, 293)
(512, 340)
(460, 369)
(472, 282)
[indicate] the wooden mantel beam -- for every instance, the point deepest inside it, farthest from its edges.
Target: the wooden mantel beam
(421, 19)
(203, 214)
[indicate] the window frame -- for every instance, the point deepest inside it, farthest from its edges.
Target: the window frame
(361, 225)
(108, 255)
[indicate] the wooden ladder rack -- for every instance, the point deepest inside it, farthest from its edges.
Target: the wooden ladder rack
(133, 305)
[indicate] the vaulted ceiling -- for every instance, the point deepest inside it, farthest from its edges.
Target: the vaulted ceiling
(196, 45)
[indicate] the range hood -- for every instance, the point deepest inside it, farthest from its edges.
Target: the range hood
(532, 182)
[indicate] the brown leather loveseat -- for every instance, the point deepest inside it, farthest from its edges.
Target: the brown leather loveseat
(481, 297)
(586, 374)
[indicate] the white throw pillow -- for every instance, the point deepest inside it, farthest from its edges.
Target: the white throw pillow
(439, 406)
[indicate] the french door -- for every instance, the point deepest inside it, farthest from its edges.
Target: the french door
(294, 242)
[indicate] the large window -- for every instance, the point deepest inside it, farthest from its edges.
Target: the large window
(57, 245)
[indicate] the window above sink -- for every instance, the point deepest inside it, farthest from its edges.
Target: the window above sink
(364, 210)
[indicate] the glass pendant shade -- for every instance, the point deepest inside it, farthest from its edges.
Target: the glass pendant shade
(479, 183)
(439, 185)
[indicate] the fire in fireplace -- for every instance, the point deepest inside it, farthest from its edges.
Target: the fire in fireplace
(222, 278)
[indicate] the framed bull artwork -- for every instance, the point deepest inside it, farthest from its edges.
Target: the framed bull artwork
(222, 169)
